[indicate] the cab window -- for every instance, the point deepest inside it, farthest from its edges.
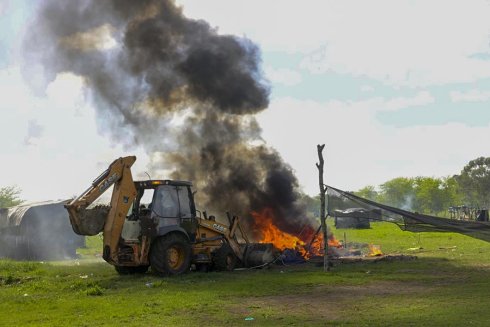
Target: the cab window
(166, 202)
(185, 203)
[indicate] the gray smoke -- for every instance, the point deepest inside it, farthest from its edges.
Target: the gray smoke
(175, 86)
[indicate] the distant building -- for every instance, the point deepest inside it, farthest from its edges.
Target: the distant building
(357, 218)
(38, 231)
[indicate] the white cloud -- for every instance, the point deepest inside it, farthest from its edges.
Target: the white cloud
(283, 76)
(361, 151)
(367, 88)
(422, 98)
(378, 104)
(64, 152)
(470, 96)
(409, 42)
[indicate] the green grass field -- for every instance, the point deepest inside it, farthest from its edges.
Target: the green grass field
(448, 285)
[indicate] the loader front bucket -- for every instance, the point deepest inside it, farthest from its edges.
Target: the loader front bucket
(88, 221)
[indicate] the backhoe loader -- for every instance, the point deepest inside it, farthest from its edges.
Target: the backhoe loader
(166, 233)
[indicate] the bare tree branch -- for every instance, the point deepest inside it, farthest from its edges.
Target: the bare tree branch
(320, 148)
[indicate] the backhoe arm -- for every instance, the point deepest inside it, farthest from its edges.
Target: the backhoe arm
(91, 221)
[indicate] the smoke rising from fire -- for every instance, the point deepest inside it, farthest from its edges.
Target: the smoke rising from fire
(146, 66)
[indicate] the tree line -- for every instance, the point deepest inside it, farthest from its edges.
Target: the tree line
(430, 195)
(434, 195)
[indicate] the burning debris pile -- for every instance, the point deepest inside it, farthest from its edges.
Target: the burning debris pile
(308, 243)
(183, 92)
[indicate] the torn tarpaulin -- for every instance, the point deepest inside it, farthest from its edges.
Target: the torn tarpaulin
(406, 220)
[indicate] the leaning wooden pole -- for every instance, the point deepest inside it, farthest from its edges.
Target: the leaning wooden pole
(326, 266)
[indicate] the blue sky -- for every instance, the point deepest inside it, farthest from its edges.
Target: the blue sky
(333, 85)
(393, 89)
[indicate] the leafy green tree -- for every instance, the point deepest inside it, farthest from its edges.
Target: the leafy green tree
(9, 196)
(421, 194)
(398, 192)
(453, 193)
(474, 181)
(368, 192)
(430, 195)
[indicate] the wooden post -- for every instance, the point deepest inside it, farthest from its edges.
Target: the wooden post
(326, 266)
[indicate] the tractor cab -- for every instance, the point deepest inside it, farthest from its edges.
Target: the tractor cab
(161, 206)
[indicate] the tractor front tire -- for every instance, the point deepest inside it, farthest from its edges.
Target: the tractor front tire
(224, 259)
(171, 255)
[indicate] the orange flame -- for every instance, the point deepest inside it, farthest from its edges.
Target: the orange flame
(316, 248)
(374, 250)
(270, 233)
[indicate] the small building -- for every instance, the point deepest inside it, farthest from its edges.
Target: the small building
(357, 218)
(38, 231)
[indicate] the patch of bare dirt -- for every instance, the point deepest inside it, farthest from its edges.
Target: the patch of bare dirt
(328, 302)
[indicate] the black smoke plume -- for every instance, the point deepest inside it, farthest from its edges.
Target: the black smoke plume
(175, 86)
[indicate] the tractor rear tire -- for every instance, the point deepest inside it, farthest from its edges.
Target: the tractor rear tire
(224, 259)
(171, 255)
(125, 270)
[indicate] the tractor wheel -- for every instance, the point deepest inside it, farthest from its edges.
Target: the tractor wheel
(125, 270)
(224, 259)
(171, 255)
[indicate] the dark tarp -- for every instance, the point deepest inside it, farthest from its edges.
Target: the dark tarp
(406, 220)
(354, 217)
